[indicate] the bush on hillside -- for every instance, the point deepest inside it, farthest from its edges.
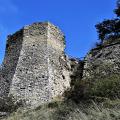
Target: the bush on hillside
(108, 87)
(104, 88)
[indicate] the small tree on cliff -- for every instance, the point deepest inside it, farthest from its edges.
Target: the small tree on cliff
(117, 10)
(110, 28)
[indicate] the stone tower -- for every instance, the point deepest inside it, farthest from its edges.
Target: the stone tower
(35, 68)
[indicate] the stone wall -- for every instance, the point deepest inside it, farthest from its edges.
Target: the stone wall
(36, 69)
(103, 60)
(12, 53)
(57, 62)
(30, 81)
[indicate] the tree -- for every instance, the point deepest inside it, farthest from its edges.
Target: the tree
(109, 28)
(117, 10)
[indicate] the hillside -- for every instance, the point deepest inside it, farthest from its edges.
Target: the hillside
(69, 110)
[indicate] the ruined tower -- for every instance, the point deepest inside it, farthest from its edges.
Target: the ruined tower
(35, 68)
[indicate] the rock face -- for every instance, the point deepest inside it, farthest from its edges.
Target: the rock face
(35, 68)
(103, 60)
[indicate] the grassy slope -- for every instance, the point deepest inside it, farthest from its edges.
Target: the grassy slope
(105, 93)
(108, 110)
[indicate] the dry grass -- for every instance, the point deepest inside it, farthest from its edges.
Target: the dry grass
(69, 111)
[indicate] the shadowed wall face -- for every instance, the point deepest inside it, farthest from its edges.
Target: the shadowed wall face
(58, 63)
(12, 53)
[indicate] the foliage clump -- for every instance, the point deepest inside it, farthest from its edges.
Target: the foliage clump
(110, 28)
(108, 87)
(117, 10)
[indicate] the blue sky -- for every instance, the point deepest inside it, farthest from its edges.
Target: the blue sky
(76, 18)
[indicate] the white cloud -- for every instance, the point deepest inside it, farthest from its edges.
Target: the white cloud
(7, 6)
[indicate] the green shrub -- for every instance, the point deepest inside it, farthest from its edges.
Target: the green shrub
(108, 87)
(99, 89)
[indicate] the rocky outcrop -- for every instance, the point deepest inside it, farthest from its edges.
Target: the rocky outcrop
(103, 60)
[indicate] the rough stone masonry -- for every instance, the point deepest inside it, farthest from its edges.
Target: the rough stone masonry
(35, 68)
(103, 60)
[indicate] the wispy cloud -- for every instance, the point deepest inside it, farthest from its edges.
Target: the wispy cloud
(8, 6)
